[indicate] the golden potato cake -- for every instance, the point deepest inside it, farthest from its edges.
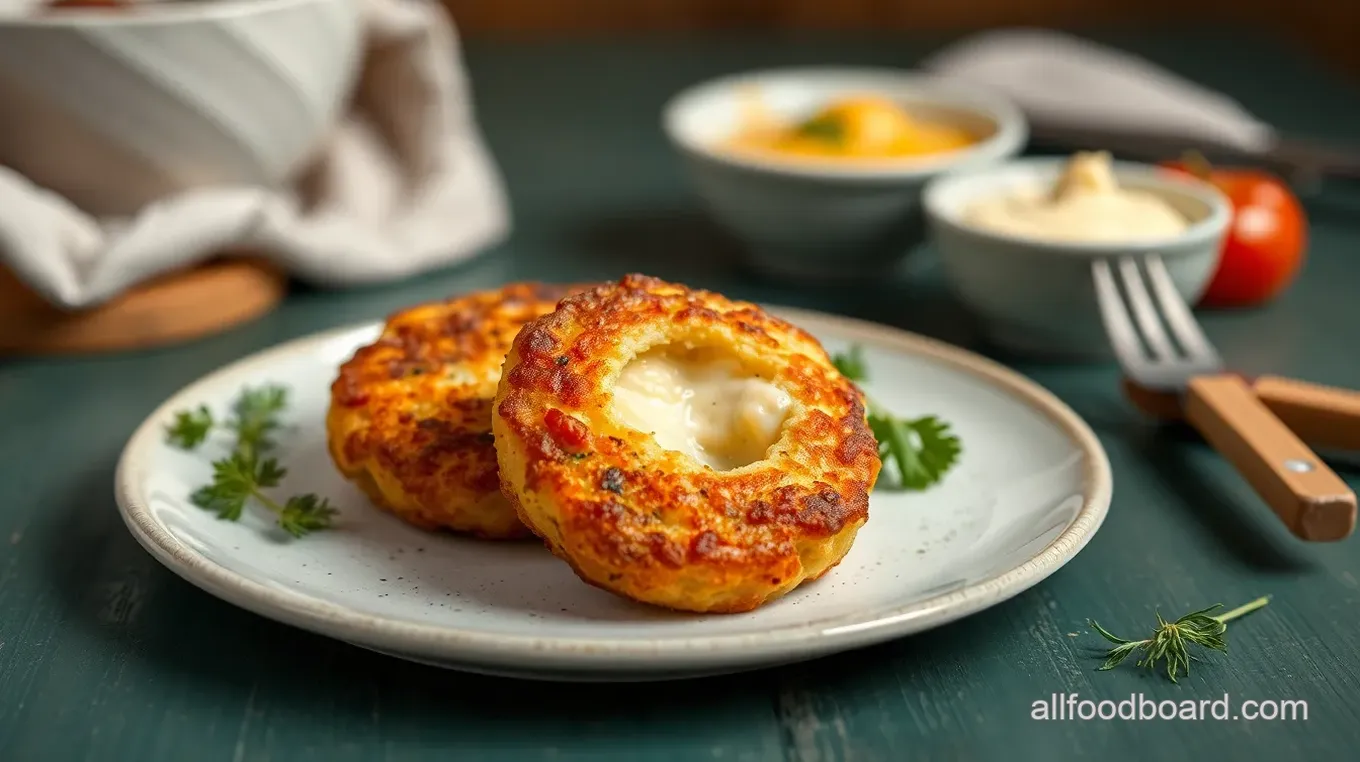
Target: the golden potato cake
(410, 414)
(680, 448)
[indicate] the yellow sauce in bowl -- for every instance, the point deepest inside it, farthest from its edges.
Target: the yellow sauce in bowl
(856, 128)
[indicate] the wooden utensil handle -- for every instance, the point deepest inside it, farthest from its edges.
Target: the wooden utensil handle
(1307, 496)
(1323, 416)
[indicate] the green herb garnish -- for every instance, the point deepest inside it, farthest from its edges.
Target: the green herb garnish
(190, 428)
(922, 449)
(246, 473)
(1171, 641)
(851, 364)
(827, 128)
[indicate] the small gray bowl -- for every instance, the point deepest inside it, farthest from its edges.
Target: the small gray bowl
(822, 219)
(1036, 296)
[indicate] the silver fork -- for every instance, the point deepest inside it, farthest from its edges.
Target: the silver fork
(1161, 347)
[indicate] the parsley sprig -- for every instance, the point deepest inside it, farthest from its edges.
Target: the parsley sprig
(921, 449)
(247, 471)
(1171, 641)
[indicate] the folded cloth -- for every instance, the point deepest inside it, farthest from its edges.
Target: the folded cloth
(1067, 82)
(404, 185)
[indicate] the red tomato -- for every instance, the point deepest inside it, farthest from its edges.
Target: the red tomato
(1265, 244)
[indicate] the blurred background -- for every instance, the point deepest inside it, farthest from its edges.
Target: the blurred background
(340, 152)
(1326, 27)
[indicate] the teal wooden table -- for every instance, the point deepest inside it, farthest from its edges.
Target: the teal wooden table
(104, 655)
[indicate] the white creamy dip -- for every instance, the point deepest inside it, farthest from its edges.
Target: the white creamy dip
(1085, 205)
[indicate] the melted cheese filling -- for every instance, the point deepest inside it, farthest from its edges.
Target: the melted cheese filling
(701, 403)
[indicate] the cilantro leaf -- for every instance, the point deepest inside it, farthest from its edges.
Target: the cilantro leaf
(268, 473)
(851, 364)
(190, 428)
(256, 417)
(924, 449)
(305, 513)
(244, 475)
(232, 484)
(920, 450)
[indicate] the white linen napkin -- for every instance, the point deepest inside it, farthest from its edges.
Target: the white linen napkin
(381, 211)
(1063, 81)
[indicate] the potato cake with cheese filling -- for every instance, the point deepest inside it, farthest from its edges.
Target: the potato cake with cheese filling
(410, 414)
(680, 448)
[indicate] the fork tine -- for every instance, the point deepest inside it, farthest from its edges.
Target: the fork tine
(1178, 315)
(1145, 310)
(1123, 337)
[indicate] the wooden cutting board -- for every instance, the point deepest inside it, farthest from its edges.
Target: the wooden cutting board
(172, 308)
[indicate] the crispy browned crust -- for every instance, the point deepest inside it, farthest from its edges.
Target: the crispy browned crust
(410, 414)
(656, 525)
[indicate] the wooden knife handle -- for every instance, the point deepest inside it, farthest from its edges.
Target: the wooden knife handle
(1323, 416)
(1307, 495)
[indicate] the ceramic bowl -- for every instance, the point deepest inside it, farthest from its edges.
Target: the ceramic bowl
(1036, 296)
(115, 109)
(827, 219)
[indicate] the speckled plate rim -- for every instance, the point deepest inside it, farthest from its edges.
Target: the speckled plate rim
(527, 653)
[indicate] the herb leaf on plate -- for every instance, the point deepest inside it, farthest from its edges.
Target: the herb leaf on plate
(851, 363)
(243, 476)
(190, 428)
(305, 513)
(257, 417)
(921, 450)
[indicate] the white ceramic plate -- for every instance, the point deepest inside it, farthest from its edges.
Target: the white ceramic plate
(1031, 489)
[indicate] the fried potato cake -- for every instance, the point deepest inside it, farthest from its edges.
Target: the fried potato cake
(410, 414)
(680, 448)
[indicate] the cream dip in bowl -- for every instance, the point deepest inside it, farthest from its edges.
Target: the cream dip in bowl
(1017, 240)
